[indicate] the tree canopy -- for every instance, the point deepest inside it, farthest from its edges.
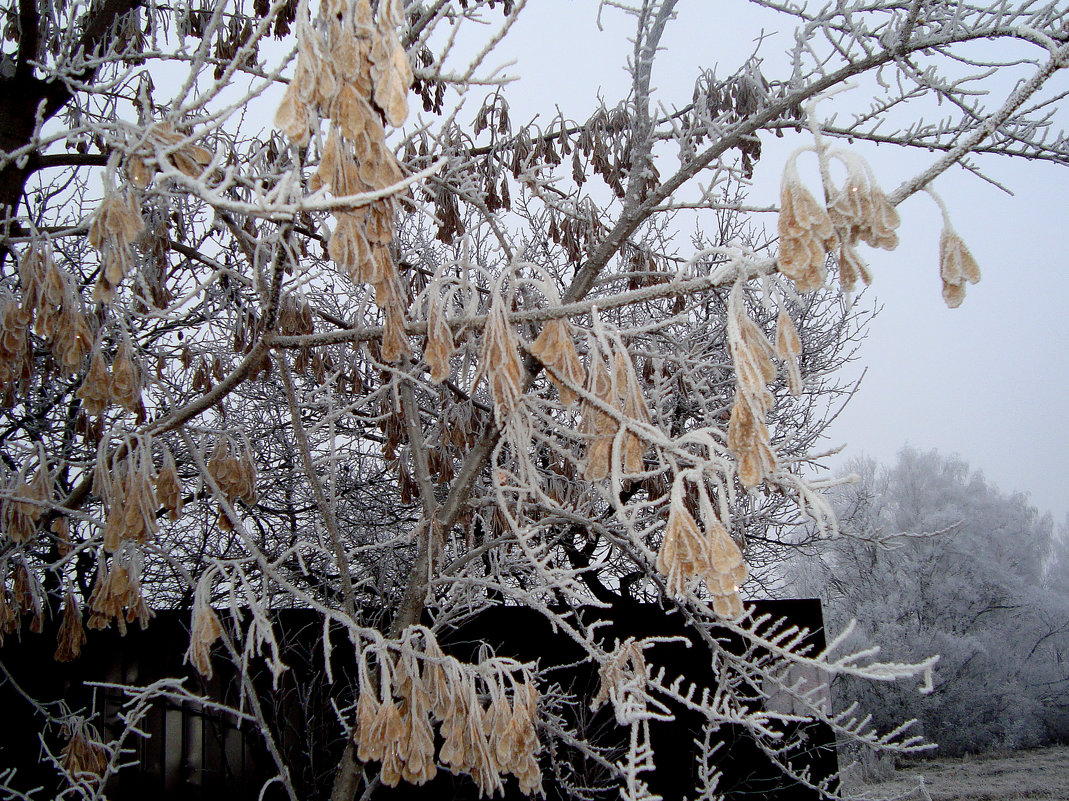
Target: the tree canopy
(296, 314)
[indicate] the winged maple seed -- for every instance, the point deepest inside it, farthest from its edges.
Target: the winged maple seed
(860, 209)
(125, 384)
(169, 147)
(205, 628)
(555, 348)
(499, 362)
(95, 391)
(789, 348)
(352, 70)
(687, 553)
(71, 635)
(116, 592)
(620, 390)
(956, 267)
(25, 502)
(418, 686)
(234, 472)
(125, 485)
(83, 758)
(169, 487)
(440, 344)
(116, 224)
(751, 352)
(805, 231)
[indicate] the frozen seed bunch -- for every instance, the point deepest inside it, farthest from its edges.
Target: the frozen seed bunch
(689, 551)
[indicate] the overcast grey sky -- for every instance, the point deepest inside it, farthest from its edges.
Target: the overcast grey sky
(986, 381)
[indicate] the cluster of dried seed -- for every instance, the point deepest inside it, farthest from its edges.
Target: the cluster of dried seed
(205, 628)
(486, 715)
(618, 388)
(84, 758)
(115, 226)
(169, 147)
(71, 635)
(353, 70)
(687, 553)
(232, 468)
(25, 501)
(122, 386)
(752, 353)
(440, 343)
(16, 355)
(169, 486)
(789, 348)
(858, 211)
(51, 296)
(116, 592)
(24, 597)
(806, 233)
(123, 480)
(500, 362)
(556, 350)
(956, 267)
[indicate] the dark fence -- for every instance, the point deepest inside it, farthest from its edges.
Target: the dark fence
(198, 752)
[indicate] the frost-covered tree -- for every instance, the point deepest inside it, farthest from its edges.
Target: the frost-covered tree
(296, 314)
(938, 561)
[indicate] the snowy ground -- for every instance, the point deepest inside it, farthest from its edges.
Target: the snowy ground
(1040, 775)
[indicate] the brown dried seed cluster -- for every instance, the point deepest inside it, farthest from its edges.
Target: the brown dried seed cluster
(125, 486)
(620, 390)
(116, 225)
(789, 348)
(805, 233)
(169, 147)
(440, 344)
(116, 592)
(556, 350)
(83, 757)
(50, 294)
(353, 71)
(24, 502)
(71, 635)
(486, 739)
(169, 486)
(956, 267)
(234, 471)
(500, 362)
(16, 355)
(23, 598)
(748, 436)
(687, 552)
(205, 628)
(858, 211)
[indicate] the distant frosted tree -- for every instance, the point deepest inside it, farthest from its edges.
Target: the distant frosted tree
(938, 561)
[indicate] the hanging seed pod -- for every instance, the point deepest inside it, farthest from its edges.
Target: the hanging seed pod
(25, 502)
(125, 386)
(71, 635)
(169, 487)
(16, 355)
(789, 348)
(95, 391)
(556, 350)
(83, 757)
(499, 362)
(806, 233)
(601, 425)
(205, 629)
(439, 345)
(956, 267)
